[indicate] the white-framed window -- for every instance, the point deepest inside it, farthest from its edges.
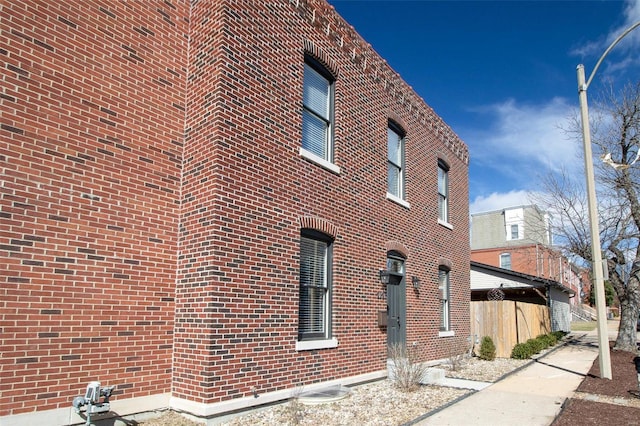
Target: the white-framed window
(314, 310)
(317, 111)
(505, 260)
(395, 161)
(514, 232)
(444, 291)
(514, 223)
(443, 192)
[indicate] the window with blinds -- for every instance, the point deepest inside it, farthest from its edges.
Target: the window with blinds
(395, 162)
(315, 282)
(443, 286)
(443, 192)
(317, 112)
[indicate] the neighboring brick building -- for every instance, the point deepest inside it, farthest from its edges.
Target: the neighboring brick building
(197, 199)
(519, 239)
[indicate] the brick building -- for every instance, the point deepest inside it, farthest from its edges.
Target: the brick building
(519, 239)
(198, 198)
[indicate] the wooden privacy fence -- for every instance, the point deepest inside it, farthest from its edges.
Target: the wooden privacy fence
(508, 322)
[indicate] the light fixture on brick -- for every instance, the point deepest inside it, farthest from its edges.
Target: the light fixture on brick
(416, 283)
(384, 276)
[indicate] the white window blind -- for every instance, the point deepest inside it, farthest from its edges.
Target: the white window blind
(316, 117)
(443, 280)
(394, 163)
(443, 193)
(313, 289)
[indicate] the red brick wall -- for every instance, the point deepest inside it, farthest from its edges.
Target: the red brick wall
(91, 132)
(246, 188)
(524, 259)
(530, 259)
(488, 257)
(103, 198)
(536, 260)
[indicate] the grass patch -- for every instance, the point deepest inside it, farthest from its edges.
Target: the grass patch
(583, 326)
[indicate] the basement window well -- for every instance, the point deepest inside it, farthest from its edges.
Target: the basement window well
(324, 395)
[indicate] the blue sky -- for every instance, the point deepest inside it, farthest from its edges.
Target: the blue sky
(502, 74)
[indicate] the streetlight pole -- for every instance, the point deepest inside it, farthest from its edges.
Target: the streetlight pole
(596, 253)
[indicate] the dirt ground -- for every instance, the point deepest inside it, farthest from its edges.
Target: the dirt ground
(600, 401)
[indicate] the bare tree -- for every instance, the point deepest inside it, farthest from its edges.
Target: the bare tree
(615, 135)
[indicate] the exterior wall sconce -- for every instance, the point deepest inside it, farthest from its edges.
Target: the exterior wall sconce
(384, 276)
(416, 283)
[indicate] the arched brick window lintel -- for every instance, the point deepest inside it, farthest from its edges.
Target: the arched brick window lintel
(398, 247)
(395, 118)
(443, 159)
(323, 58)
(318, 224)
(444, 263)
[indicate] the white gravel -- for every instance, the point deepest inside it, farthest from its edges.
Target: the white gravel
(371, 404)
(378, 403)
(485, 371)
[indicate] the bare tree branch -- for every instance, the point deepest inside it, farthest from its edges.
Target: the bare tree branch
(615, 125)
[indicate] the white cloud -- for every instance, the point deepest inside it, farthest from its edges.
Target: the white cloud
(498, 201)
(526, 140)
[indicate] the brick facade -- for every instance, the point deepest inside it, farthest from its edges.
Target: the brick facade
(92, 138)
(154, 193)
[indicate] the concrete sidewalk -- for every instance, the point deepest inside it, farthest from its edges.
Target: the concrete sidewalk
(532, 396)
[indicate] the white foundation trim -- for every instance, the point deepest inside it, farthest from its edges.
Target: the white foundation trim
(208, 410)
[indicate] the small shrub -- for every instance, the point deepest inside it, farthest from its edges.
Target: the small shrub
(456, 361)
(559, 334)
(459, 353)
(533, 346)
(521, 351)
(536, 345)
(487, 349)
(407, 372)
(543, 342)
(295, 410)
(548, 339)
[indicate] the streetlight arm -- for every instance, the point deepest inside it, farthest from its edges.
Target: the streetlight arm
(606, 52)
